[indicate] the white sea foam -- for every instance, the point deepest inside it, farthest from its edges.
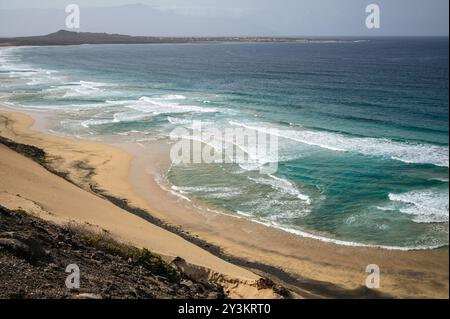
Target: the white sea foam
(402, 151)
(159, 181)
(80, 88)
(274, 224)
(282, 185)
(245, 214)
(173, 97)
(206, 189)
(342, 242)
(142, 108)
(218, 192)
(427, 206)
(176, 193)
(443, 180)
(157, 106)
(93, 122)
(178, 121)
(130, 116)
(15, 68)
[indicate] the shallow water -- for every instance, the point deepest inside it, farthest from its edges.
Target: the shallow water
(362, 127)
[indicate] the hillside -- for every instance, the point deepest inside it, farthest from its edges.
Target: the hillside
(34, 255)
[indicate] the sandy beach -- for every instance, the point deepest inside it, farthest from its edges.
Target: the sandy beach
(27, 185)
(309, 267)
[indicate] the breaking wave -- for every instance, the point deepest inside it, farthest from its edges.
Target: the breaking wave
(402, 151)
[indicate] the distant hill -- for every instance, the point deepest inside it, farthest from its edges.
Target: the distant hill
(63, 37)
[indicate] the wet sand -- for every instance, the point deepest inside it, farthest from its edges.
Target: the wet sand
(310, 267)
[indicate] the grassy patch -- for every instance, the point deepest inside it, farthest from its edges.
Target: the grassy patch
(19, 211)
(139, 256)
(156, 264)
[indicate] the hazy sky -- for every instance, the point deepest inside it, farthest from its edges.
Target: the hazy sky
(228, 17)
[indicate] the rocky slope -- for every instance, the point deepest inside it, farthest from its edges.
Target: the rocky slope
(34, 255)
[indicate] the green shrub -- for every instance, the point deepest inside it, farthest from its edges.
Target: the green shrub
(19, 211)
(156, 264)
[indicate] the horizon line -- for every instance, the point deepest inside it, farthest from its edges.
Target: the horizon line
(240, 36)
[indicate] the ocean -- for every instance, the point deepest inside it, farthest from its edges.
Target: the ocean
(362, 126)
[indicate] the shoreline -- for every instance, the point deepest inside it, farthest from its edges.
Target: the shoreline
(324, 269)
(31, 182)
(159, 164)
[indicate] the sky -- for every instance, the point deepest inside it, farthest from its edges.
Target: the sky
(228, 17)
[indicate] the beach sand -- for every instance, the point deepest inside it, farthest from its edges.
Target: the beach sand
(309, 267)
(26, 184)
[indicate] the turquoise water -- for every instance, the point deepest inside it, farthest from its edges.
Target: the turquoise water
(362, 127)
